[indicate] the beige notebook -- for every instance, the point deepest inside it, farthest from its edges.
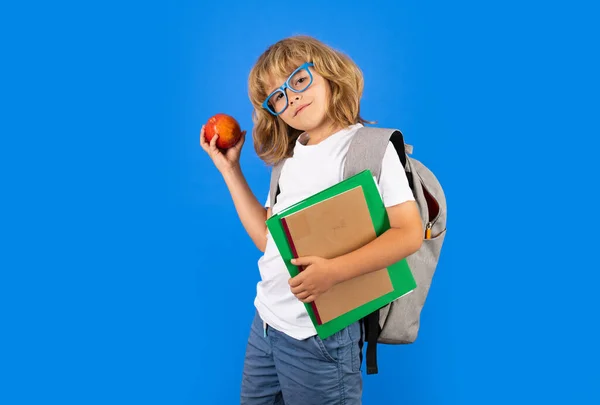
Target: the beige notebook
(331, 228)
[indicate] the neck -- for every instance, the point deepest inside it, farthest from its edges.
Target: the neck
(322, 132)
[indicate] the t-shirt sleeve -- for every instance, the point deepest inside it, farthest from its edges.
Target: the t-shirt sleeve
(393, 183)
(268, 202)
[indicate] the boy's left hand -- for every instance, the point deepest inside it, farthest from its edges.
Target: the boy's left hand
(316, 278)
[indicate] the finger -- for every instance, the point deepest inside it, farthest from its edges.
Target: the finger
(203, 142)
(298, 290)
(296, 281)
(241, 141)
(309, 299)
(238, 146)
(303, 295)
(213, 143)
(302, 261)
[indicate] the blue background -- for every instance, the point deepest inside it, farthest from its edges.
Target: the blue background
(126, 277)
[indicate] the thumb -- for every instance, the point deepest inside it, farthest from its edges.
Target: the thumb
(303, 261)
(240, 142)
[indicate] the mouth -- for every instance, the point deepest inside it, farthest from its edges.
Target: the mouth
(302, 107)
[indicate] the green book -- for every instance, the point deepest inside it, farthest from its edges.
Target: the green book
(332, 222)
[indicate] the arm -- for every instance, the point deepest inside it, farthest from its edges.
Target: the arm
(403, 239)
(252, 214)
(406, 233)
(250, 211)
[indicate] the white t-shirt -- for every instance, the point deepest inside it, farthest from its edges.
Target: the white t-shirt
(312, 169)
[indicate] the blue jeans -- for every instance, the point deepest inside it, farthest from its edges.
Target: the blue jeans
(279, 369)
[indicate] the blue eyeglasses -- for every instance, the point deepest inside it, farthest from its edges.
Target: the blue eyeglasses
(298, 82)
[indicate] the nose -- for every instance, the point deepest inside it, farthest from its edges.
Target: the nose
(294, 97)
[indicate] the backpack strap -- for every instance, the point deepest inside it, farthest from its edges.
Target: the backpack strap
(274, 188)
(368, 147)
(372, 331)
(366, 151)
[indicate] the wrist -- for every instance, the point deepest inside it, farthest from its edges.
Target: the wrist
(339, 270)
(231, 172)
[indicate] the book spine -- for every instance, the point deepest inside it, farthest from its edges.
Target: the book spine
(288, 236)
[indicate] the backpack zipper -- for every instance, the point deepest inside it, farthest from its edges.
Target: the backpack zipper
(432, 206)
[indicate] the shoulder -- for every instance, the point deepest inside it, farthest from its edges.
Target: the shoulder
(392, 155)
(393, 182)
(391, 165)
(377, 141)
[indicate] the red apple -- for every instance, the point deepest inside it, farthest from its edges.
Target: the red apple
(226, 126)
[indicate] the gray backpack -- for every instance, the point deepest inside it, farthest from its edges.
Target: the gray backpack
(397, 322)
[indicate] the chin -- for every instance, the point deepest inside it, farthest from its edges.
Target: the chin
(307, 123)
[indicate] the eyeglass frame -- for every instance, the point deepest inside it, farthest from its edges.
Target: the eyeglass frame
(286, 85)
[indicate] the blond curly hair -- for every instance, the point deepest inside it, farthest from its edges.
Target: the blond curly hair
(273, 139)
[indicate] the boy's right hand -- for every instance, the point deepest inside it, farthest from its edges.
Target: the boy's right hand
(224, 160)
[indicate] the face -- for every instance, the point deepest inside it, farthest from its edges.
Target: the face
(305, 110)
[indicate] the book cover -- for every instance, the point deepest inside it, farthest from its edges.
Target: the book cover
(332, 228)
(333, 222)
